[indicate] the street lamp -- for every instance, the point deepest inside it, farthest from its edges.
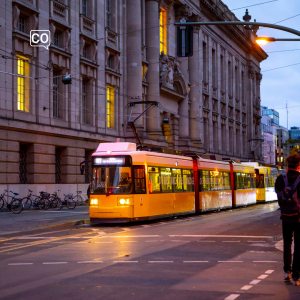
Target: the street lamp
(264, 40)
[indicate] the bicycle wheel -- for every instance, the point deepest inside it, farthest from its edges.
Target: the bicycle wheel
(78, 200)
(1, 202)
(56, 204)
(27, 203)
(16, 206)
(71, 204)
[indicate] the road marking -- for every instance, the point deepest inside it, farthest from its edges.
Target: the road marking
(89, 262)
(230, 261)
(11, 243)
(146, 226)
(232, 297)
(265, 261)
(55, 263)
(269, 271)
(206, 241)
(231, 241)
(128, 241)
(103, 242)
(262, 276)
(160, 261)
(126, 261)
(256, 241)
(223, 236)
(196, 261)
(130, 236)
(20, 264)
(255, 281)
(246, 287)
(179, 241)
(151, 241)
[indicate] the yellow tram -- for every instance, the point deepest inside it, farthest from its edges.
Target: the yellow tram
(265, 182)
(130, 185)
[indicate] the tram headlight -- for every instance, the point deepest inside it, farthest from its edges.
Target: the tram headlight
(94, 201)
(124, 201)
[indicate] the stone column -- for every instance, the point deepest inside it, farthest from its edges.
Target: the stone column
(194, 91)
(134, 54)
(152, 44)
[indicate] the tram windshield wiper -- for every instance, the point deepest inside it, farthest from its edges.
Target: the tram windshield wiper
(110, 192)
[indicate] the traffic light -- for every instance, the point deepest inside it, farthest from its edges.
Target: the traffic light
(67, 79)
(185, 45)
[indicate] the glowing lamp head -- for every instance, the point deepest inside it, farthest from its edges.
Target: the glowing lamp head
(122, 201)
(262, 42)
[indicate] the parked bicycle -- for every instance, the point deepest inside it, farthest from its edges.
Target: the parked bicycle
(79, 199)
(4, 199)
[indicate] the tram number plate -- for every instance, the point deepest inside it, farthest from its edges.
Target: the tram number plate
(101, 184)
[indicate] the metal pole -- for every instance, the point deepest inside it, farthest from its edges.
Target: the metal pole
(283, 28)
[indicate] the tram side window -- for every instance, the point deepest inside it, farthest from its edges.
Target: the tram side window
(177, 180)
(226, 177)
(204, 180)
(261, 181)
(253, 185)
(214, 180)
(154, 180)
(188, 180)
(239, 181)
(166, 180)
(139, 180)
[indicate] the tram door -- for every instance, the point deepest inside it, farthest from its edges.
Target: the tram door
(260, 187)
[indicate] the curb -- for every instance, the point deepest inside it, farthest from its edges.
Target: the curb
(279, 246)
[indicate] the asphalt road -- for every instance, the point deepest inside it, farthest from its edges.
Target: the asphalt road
(224, 255)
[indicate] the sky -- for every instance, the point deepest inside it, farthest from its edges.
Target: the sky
(281, 85)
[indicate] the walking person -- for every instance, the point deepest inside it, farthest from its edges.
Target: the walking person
(287, 187)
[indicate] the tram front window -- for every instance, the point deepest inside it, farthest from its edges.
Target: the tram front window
(112, 180)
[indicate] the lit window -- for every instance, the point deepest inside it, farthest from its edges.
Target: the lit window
(84, 101)
(23, 70)
(55, 94)
(110, 107)
(163, 30)
(21, 24)
(84, 7)
(108, 14)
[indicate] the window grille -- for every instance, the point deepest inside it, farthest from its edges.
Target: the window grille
(163, 30)
(110, 107)
(84, 7)
(55, 94)
(84, 101)
(56, 39)
(23, 164)
(57, 165)
(108, 14)
(21, 24)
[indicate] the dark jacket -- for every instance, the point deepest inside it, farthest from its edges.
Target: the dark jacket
(279, 186)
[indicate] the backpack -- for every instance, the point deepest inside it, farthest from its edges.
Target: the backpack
(288, 199)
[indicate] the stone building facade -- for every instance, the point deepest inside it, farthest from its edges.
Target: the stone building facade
(119, 51)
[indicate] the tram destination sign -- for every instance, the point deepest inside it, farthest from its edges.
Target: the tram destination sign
(113, 161)
(109, 161)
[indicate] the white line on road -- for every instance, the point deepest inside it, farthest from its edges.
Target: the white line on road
(89, 262)
(20, 264)
(232, 297)
(246, 287)
(265, 261)
(126, 261)
(195, 261)
(55, 263)
(255, 281)
(269, 271)
(103, 242)
(230, 261)
(12, 243)
(151, 241)
(262, 276)
(130, 236)
(222, 236)
(206, 241)
(160, 261)
(256, 241)
(128, 241)
(231, 241)
(179, 241)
